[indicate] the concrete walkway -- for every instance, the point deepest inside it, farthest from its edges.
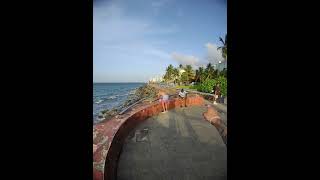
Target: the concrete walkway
(176, 145)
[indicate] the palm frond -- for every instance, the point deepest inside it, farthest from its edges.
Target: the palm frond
(221, 40)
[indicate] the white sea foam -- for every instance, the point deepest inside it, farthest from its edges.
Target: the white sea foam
(132, 92)
(113, 97)
(99, 101)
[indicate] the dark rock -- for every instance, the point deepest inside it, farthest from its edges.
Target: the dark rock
(104, 111)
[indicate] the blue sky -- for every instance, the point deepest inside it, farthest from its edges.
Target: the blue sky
(134, 40)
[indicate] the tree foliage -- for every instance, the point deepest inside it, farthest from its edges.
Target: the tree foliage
(207, 85)
(223, 47)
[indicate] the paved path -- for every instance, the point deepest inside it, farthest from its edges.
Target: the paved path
(176, 145)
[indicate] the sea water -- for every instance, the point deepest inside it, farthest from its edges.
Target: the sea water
(110, 95)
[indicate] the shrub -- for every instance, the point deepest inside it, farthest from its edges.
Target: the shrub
(195, 87)
(223, 85)
(223, 73)
(207, 85)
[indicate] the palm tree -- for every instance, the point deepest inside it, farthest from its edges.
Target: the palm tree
(169, 73)
(201, 74)
(189, 72)
(223, 47)
(210, 72)
(184, 78)
(215, 73)
(197, 76)
(223, 73)
(180, 66)
(175, 75)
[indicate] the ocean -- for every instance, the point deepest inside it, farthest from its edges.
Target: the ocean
(110, 95)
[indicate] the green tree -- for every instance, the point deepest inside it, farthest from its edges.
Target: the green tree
(197, 76)
(215, 73)
(176, 75)
(223, 85)
(181, 66)
(223, 47)
(207, 85)
(184, 78)
(189, 73)
(223, 73)
(209, 71)
(168, 77)
(202, 75)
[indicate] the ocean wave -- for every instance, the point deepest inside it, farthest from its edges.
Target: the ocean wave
(125, 94)
(109, 96)
(99, 101)
(113, 97)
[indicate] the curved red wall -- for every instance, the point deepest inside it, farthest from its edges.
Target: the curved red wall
(109, 135)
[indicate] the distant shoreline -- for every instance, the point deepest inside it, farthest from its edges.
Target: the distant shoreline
(143, 91)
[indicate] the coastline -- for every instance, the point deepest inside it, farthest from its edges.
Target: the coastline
(139, 93)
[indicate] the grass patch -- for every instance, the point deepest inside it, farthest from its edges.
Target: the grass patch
(183, 87)
(187, 87)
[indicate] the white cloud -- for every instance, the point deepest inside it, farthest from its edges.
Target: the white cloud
(186, 59)
(213, 55)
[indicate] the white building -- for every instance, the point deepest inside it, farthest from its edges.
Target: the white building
(156, 79)
(181, 71)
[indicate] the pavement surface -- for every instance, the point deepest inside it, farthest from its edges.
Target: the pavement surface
(177, 145)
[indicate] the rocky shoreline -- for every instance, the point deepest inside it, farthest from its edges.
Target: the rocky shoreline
(141, 92)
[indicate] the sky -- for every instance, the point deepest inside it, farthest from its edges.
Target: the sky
(135, 40)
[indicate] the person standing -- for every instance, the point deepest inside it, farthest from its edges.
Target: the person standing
(183, 96)
(213, 92)
(217, 93)
(164, 98)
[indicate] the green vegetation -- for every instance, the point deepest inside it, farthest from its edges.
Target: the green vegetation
(223, 47)
(187, 87)
(204, 78)
(169, 76)
(173, 75)
(223, 73)
(223, 85)
(176, 75)
(189, 73)
(207, 85)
